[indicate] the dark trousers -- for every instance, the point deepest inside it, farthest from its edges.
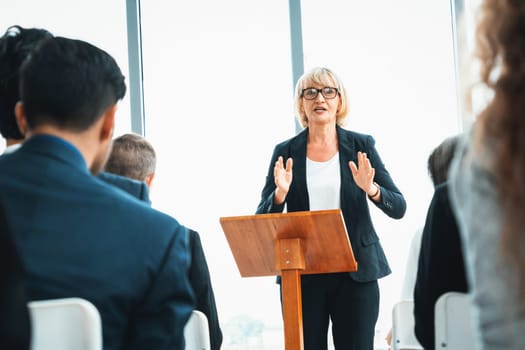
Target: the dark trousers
(352, 306)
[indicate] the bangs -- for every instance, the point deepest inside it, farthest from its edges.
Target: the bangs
(320, 77)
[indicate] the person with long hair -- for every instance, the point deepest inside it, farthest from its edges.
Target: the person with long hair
(487, 181)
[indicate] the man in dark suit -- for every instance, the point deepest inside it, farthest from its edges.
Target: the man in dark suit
(15, 328)
(132, 156)
(77, 235)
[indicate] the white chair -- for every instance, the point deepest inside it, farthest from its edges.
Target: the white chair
(65, 324)
(403, 336)
(196, 332)
(453, 322)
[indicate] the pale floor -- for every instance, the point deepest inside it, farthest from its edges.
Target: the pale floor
(272, 339)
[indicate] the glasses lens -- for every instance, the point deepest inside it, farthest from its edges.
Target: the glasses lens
(329, 92)
(310, 93)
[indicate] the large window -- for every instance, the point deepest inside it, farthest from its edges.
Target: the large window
(396, 60)
(218, 97)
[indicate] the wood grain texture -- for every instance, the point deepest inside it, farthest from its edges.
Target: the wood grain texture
(323, 236)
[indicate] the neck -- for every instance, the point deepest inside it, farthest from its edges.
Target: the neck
(83, 141)
(324, 134)
(11, 142)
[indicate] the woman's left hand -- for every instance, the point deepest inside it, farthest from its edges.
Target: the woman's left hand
(363, 173)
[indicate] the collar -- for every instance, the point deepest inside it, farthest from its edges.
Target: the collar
(55, 147)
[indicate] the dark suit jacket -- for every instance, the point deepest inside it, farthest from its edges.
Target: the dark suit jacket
(372, 263)
(199, 273)
(15, 328)
(80, 237)
(136, 188)
(441, 267)
(201, 283)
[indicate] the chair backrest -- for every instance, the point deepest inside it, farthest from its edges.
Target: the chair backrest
(196, 332)
(453, 322)
(403, 336)
(65, 324)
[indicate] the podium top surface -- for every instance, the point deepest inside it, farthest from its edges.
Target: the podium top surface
(322, 233)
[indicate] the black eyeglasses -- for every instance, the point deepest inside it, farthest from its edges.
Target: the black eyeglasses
(327, 92)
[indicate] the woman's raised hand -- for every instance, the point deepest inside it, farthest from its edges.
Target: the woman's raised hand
(363, 173)
(283, 178)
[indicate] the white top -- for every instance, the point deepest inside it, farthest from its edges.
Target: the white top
(323, 181)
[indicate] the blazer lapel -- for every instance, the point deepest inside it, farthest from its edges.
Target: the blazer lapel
(347, 153)
(298, 153)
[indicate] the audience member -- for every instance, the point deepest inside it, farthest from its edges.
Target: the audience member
(133, 156)
(15, 45)
(78, 236)
(440, 266)
(15, 328)
(438, 164)
(486, 180)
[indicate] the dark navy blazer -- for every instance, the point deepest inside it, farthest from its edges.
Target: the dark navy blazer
(372, 263)
(15, 326)
(136, 188)
(80, 237)
(199, 273)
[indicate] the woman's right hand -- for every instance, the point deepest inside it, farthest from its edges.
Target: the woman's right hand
(283, 178)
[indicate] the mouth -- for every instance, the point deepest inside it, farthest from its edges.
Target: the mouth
(319, 109)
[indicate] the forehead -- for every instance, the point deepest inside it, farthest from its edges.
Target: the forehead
(319, 80)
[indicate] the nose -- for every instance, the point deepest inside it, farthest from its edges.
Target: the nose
(319, 97)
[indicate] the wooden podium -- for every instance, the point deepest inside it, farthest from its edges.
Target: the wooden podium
(290, 244)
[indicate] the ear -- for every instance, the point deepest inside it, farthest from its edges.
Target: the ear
(149, 179)
(21, 118)
(108, 123)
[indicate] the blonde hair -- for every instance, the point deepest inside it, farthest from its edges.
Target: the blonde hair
(320, 76)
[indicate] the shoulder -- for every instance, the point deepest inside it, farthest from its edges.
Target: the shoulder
(355, 137)
(118, 180)
(297, 139)
(119, 201)
(134, 187)
(152, 230)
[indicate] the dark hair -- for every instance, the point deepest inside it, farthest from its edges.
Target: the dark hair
(15, 46)
(132, 156)
(440, 159)
(501, 125)
(69, 83)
